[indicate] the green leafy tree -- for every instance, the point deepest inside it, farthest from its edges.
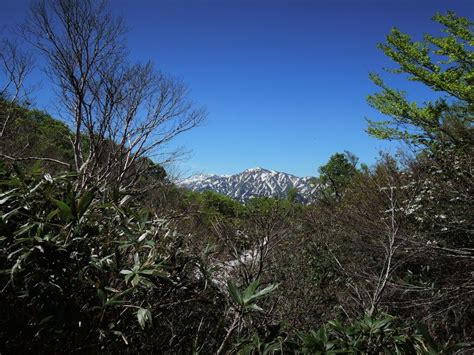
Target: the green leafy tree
(292, 195)
(336, 174)
(445, 64)
(441, 131)
(441, 128)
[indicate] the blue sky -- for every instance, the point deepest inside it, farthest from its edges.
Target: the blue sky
(284, 82)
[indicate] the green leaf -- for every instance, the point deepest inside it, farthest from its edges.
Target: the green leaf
(148, 271)
(250, 291)
(135, 279)
(84, 203)
(264, 292)
(255, 307)
(117, 299)
(136, 258)
(8, 192)
(142, 237)
(66, 211)
(24, 228)
(234, 293)
(52, 214)
(423, 329)
(124, 200)
(144, 317)
(7, 215)
(101, 296)
(3, 200)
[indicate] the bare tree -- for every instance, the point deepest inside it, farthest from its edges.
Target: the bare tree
(393, 241)
(15, 65)
(252, 245)
(122, 114)
(372, 220)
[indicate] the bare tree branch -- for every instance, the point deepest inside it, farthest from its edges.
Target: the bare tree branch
(5, 156)
(121, 113)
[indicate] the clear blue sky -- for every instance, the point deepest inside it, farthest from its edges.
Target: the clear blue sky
(284, 82)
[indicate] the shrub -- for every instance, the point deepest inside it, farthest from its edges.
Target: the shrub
(89, 270)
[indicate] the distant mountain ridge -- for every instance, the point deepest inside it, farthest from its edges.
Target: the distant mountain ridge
(252, 182)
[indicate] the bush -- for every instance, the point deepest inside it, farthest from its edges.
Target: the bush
(88, 270)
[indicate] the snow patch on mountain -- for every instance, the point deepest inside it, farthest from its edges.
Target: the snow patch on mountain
(252, 182)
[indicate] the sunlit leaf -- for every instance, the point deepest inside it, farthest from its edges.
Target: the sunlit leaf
(144, 317)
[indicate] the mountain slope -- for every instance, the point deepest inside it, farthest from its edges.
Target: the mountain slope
(250, 183)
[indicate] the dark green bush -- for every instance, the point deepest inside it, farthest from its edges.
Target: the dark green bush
(88, 270)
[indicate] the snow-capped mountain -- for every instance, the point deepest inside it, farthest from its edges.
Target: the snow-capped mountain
(250, 183)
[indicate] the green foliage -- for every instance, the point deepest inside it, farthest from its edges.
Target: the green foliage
(257, 345)
(246, 300)
(371, 335)
(382, 334)
(292, 195)
(153, 175)
(441, 131)
(267, 206)
(444, 64)
(144, 317)
(89, 270)
(213, 204)
(336, 174)
(36, 133)
(221, 204)
(80, 269)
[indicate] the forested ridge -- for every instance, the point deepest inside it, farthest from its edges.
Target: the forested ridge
(101, 252)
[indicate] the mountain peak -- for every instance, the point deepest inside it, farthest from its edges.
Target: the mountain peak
(256, 170)
(250, 183)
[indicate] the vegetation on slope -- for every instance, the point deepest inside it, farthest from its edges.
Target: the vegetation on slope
(124, 262)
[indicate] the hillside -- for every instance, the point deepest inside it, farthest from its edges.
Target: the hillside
(101, 252)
